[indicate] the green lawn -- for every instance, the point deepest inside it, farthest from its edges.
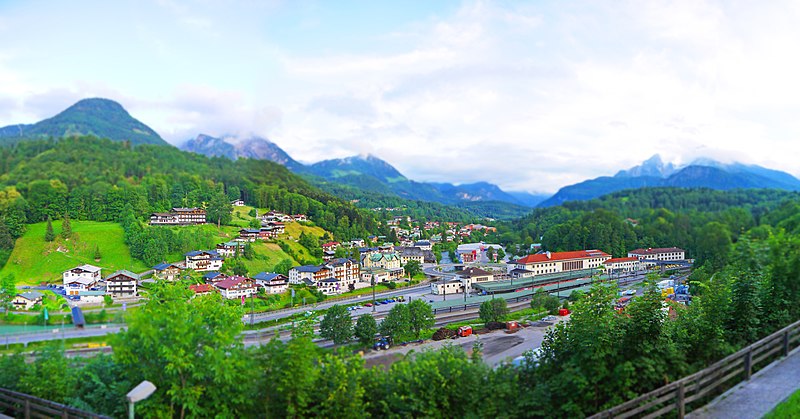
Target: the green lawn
(267, 255)
(34, 261)
(788, 409)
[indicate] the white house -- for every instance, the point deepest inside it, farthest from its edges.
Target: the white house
(618, 265)
(203, 260)
(661, 254)
(26, 300)
(236, 287)
(81, 278)
(273, 283)
(122, 284)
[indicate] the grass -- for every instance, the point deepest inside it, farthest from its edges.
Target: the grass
(790, 408)
(34, 261)
(267, 255)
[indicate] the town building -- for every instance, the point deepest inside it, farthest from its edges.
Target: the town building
(214, 276)
(81, 278)
(475, 252)
(377, 274)
(424, 244)
(272, 283)
(313, 273)
(452, 286)
(236, 287)
(547, 263)
(203, 260)
(202, 289)
(237, 203)
(26, 300)
(179, 216)
(619, 265)
(473, 275)
(230, 249)
(167, 271)
(122, 284)
(390, 261)
(659, 254)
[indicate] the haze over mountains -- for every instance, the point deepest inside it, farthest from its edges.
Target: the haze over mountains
(108, 119)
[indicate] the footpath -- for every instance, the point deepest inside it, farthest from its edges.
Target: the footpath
(758, 396)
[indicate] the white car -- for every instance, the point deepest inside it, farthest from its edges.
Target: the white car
(630, 292)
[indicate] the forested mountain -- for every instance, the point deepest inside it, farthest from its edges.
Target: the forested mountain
(97, 179)
(702, 173)
(102, 118)
(234, 148)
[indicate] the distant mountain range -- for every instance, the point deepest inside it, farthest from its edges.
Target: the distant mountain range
(653, 172)
(99, 117)
(365, 172)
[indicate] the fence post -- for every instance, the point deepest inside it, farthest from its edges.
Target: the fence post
(681, 400)
(27, 409)
(748, 361)
(786, 343)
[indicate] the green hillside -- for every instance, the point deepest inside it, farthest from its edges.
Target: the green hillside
(34, 261)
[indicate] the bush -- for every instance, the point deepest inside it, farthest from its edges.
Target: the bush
(552, 304)
(391, 285)
(493, 310)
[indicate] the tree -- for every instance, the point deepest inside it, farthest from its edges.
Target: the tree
(253, 212)
(254, 223)
(366, 329)
(413, 268)
(248, 252)
(66, 227)
(97, 255)
(538, 299)
(337, 325)
(500, 254)
(49, 235)
(202, 335)
(551, 304)
(490, 254)
(8, 290)
(494, 310)
(420, 316)
(219, 209)
(397, 323)
(283, 267)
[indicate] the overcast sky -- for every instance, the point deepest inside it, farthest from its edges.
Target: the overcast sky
(529, 95)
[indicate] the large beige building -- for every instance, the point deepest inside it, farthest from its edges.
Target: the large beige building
(661, 254)
(549, 263)
(628, 264)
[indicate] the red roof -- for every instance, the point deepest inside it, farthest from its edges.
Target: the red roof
(231, 282)
(619, 260)
(329, 244)
(578, 254)
(200, 288)
(656, 251)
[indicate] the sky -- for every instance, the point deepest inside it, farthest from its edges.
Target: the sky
(531, 96)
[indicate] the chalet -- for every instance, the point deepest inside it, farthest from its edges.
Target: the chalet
(81, 278)
(202, 289)
(179, 216)
(229, 249)
(659, 254)
(473, 275)
(122, 284)
(299, 217)
(273, 283)
(267, 233)
(276, 226)
(237, 203)
(332, 286)
(328, 255)
(236, 287)
(214, 276)
(547, 263)
(167, 271)
(249, 234)
(330, 246)
(619, 265)
(26, 300)
(203, 260)
(408, 254)
(424, 244)
(298, 274)
(344, 269)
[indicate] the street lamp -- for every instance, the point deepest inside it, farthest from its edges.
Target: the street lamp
(372, 280)
(139, 393)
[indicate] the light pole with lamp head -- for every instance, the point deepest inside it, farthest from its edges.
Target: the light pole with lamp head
(139, 393)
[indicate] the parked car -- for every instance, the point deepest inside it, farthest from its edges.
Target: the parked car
(368, 305)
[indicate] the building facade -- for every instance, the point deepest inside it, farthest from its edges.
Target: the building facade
(618, 265)
(659, 254)
(81, 278)
(122, 284)
(548, 263)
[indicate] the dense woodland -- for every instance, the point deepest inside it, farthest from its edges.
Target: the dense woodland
(93, 179)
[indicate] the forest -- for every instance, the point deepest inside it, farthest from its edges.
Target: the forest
(100, 180)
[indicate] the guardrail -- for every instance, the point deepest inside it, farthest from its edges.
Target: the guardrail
(677, 397)
(27, 406)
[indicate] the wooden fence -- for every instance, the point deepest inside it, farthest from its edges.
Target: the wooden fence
(26, 406)
(675, 399)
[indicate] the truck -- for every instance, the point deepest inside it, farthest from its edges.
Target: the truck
(464, 331)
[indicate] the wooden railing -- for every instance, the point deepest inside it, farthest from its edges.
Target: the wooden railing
(676, 398)
(26, 406)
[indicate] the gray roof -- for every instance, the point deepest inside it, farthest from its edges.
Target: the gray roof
(127, 273)
(31, 295)
(308, 268)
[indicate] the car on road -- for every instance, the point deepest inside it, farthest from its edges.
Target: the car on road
(630, 292)
(368, 305)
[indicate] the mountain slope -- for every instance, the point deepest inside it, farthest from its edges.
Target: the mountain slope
(234, 148)
(702, 173)
(99, 117)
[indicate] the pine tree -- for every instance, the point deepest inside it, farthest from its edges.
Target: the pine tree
(66, 227)
(97, 254)
(49, 235)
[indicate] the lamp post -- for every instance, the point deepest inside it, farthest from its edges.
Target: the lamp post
(372, 280)
(139, 393)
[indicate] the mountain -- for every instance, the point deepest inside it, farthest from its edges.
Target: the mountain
(368, 165)
(102, 118)
(705, 173)
(528, 199)
(233, 148)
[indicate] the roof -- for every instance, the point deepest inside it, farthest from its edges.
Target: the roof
(339, 261)
(231, 244)
(578, 254)
(620, 260)
(473, 272)
(308, 268)
(186, 209)
(422, 243)
(231, 282)
(81, 280)
(200, 252)
(269, 276)
(162, 266)
(329, 244)
(31, 295)
(412, 251)
(87, 268)
(329, 280)
(211, 275)
(127, 273)
(201, 288)
(656, 251)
